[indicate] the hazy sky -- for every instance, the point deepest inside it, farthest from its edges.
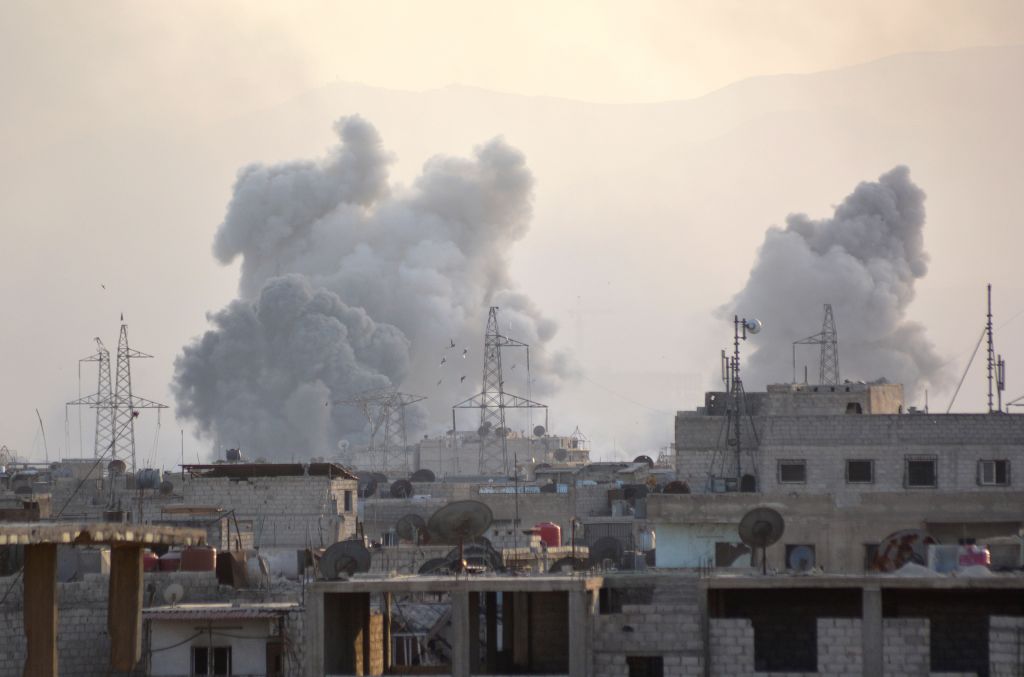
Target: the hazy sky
(96, 97)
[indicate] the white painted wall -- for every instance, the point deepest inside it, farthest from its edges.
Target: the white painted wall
(693, 545)
(248, 656)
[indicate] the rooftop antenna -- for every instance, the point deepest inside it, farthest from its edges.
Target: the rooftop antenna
(828, 340)
(740, 329)
(991, 363)
(492, 401)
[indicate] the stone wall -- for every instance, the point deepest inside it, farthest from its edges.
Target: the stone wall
(840, 648)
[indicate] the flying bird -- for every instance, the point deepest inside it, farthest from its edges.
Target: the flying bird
(439, 381)
(452, 341)
(464, 351)
(443, 360)
(513, 366)
(103, 285)
(462, 379)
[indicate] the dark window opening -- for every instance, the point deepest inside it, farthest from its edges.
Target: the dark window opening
(994, 473)
(794, 472)
(645, 666)
(921, 472)
(860, 472)
(348, 501)
(786, 644)
(854, 408)
(215, 661)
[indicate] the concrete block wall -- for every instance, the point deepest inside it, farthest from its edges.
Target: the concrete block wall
(840, 648)
(906, 646)
(1006, 646)
(731, 645)
(286, 511)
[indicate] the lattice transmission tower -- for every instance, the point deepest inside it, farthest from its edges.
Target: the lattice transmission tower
(492, 400)
(117, 407)
(384, 408)
(828, 340)
(102, 400)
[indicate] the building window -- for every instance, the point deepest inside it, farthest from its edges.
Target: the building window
(860, 472)
(921, 471)
(854, 407)
(792, 472)
(645, 666)
(994, 473)
(348, 501)
(214, 661)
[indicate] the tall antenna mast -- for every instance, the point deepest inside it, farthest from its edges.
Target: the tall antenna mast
(828, 340)
(492, 401)
(991, 361)
(102, 400)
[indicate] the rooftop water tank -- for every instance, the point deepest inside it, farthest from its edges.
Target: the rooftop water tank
(550, 534)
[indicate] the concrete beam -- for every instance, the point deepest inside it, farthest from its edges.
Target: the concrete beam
(580, 634)
(460, 634)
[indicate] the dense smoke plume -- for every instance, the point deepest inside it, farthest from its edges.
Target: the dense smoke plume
(864, 261)
(349, 283)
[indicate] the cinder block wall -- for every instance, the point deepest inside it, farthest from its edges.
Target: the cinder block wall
(1005, 645)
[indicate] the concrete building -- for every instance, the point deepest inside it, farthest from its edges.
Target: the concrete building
(846, 466)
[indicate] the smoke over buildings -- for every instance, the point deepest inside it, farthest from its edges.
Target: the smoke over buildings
(864, 260)
(349, 283)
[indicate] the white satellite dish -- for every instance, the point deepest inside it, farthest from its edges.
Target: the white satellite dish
(753, 326)
(173, 593)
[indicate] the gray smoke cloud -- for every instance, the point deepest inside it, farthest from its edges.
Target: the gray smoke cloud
(864, 260)
(350, 283)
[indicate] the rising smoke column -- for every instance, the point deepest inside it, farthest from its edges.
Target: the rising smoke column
(348, 283)
(864, 260)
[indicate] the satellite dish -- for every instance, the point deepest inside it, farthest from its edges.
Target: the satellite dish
(800, 558)
(538, 431)
(606, 549)
(479, 554)
(166, 488)
(367, 487)
(501, 432)
(901, 548)
(116, 467)
(631, 492)
(548, 488)
(344, 558)
(413, 528)
(484, 429)
(643, 458)
(379, 477)
(760, 528)
(676, 487)
(752, 326)
(174, 593)
(561, 454)
(423, 475)
(401, 489)
(459, 521)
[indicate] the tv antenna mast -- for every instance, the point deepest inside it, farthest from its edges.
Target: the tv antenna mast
(828, 339)
(735, 408)
(492, 400)
(385, 408)
(995, 363)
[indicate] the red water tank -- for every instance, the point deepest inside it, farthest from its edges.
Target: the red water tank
(550, 534)
(150, 562)
(199, 558)
(170, 561)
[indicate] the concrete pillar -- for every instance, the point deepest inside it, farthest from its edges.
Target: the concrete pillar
(871, 631)
(314, 631)
(40, 612)
(580, 647)
(387, 630)
(474, 631)
(508, 613)
(491, 600)
(521, 631)
(460, 634)
(124, 611)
